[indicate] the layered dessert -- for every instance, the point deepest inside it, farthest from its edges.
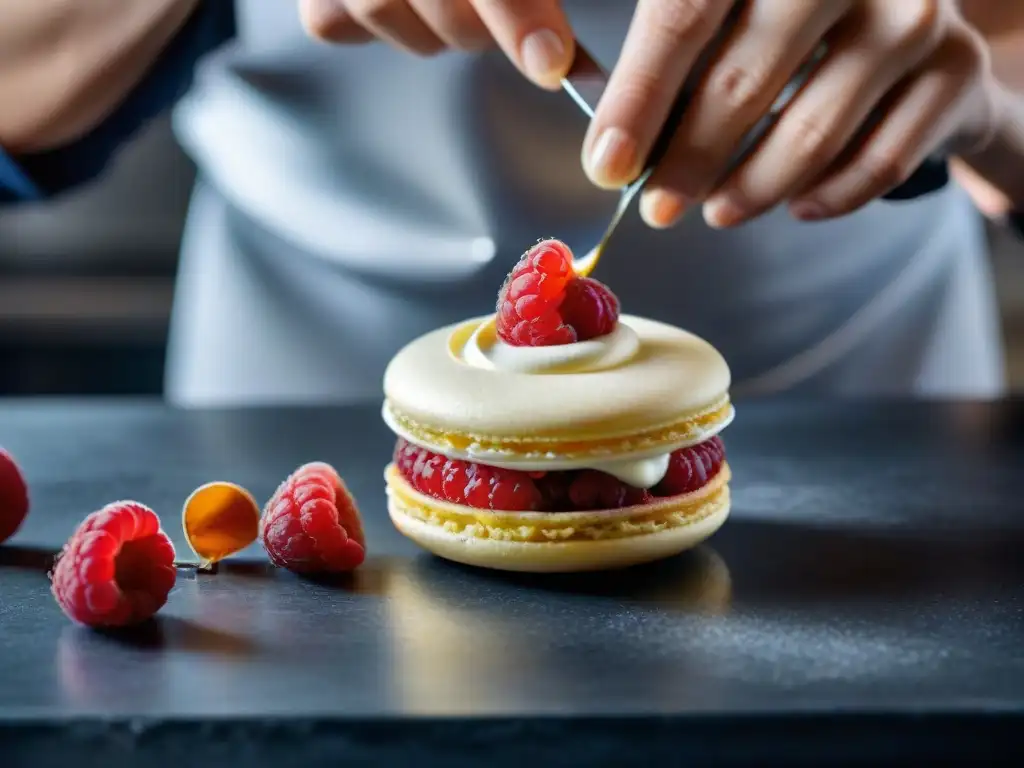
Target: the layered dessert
(557, 434)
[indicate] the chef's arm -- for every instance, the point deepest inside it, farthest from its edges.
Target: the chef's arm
(77, 79)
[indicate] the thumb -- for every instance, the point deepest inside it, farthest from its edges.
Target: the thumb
(328, 20)
(534, 34)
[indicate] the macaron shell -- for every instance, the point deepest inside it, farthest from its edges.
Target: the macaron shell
(673, 374)
(558, 557)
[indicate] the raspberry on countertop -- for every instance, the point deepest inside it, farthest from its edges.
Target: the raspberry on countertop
(117, 569)
(312, 525)
(14, 501)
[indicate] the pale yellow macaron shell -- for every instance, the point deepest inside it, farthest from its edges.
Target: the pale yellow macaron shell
(559, 541)
(675, 376)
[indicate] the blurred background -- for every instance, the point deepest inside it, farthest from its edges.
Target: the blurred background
(86, 283)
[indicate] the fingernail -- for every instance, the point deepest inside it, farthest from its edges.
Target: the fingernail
(721, 212)
(808, 210)
(661, 209)
(612, 160)
(544, 56)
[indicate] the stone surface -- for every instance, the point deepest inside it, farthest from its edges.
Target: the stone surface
(865, 603)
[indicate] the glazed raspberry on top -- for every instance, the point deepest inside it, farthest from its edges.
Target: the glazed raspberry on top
(544, 303)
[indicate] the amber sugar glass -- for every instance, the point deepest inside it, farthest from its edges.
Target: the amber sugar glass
(220, 519)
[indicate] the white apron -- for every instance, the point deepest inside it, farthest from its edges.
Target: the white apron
(351, 199)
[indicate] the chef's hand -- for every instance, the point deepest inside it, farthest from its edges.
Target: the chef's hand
(535, 34)
(915, 63)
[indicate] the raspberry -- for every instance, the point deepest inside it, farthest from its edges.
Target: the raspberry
(503, 489)
(691, 468)
(429, 471)
(543, 302)
(13, 496)
(554, 491)
(590, 308)
(117, 569)
(466, 483)
(311, 524)
(454, 479)
(596, 490)
(405, 456)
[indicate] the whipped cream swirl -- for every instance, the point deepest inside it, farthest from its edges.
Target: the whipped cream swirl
(485, 349)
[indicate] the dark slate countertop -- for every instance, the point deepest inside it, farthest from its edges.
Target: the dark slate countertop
(864, 604)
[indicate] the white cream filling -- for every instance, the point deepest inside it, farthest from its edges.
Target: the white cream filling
(640, 473)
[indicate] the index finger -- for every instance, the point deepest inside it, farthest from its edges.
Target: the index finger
(665, 40)
(534, 34)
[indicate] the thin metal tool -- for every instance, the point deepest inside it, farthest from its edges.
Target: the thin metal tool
(586, 84)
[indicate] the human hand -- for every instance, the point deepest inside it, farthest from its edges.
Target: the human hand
(901, 79)
(535, 34)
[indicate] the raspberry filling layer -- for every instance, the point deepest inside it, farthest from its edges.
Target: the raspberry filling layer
(484, 487)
